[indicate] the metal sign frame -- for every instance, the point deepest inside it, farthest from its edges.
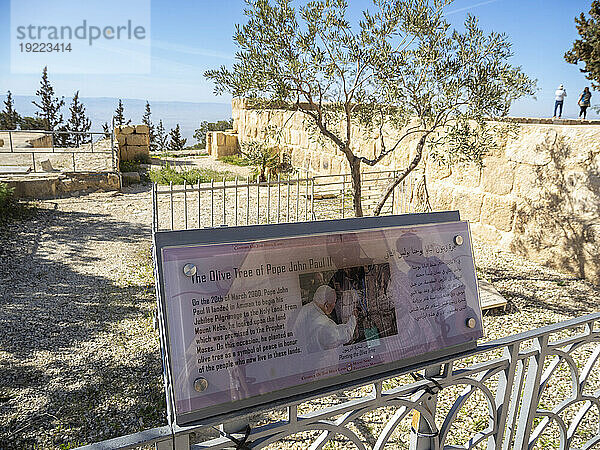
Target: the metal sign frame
(219, 413)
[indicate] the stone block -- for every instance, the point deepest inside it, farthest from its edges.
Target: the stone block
(294, 137)
(141, 129)
(498, 212)
(124, 129)
(136, 139)
(531, 146)
(137, 151)
(441, 196)
(468, 203)
(130, 178)
(220, 139)
(121, 138)
(525, 184)
(231, 140)
(336, 166)
(297, 157)
(466, 175)
(497, 176)
(486, 233)
(435, 171)
(44, 141)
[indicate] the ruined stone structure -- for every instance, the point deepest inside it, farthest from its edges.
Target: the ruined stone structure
(133, 141)
(222, 143)
(537, 193)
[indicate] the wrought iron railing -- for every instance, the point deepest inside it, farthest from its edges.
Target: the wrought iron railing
(71, 151)
(298, 198)
(538, 388)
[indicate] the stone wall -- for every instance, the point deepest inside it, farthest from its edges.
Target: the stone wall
(222, 143)
(133, 142)
(537, 193)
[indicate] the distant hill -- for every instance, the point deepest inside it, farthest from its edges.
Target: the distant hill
(100, 110)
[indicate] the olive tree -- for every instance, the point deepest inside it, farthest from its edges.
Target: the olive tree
(401, 71)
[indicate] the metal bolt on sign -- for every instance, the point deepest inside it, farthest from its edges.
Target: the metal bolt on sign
(200, 384)
(189, 270)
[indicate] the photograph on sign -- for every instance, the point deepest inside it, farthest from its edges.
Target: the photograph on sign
(251, 318)
(356, 304)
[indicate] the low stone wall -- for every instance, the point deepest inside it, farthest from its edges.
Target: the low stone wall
(44, 141)
(537, 193)
(52, 186)
(133, 142)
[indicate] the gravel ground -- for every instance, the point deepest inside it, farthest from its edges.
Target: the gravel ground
(79, 357)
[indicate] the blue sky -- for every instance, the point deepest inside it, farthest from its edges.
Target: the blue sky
(188, 37)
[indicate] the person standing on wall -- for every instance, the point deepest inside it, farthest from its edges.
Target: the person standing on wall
(584, 102)
(560, 95)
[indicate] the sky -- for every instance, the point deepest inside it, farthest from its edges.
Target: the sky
(191, 36)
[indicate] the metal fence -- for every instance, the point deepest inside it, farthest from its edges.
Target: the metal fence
(500, 390)
(298, 198)
(57, 151)
(537, 389)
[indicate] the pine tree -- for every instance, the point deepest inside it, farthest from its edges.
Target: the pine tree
(49, 105)
(585, 50)
(176, 142)
(161, 137)
(9, 118)
(146, 120)
(120, 116)
(106, 129)
(78, 122)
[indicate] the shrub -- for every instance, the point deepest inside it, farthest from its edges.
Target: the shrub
(235, 160)
(6, 195)
(11, 209)
(266, 160)
(168, 174)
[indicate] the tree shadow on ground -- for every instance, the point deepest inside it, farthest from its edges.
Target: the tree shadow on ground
(61, 325)
(524, 290)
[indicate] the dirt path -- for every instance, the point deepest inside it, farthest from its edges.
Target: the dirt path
(79, 356)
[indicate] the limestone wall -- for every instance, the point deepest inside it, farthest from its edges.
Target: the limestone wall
(222, 143)
(537, 193)
(133, 141)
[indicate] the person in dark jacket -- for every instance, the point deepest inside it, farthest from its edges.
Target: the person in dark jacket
(584, 102)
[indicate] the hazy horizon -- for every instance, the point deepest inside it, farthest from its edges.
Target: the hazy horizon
(188, 115)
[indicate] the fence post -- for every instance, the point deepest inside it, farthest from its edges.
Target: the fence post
(504, 395)
(269, 198)
(531, 391)
(422, 436)
(10, 140)
(343, 195)
(224, 202)
(171, 199)
(185, 211)
(312, 199)
(199, 206)
(236, 200)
